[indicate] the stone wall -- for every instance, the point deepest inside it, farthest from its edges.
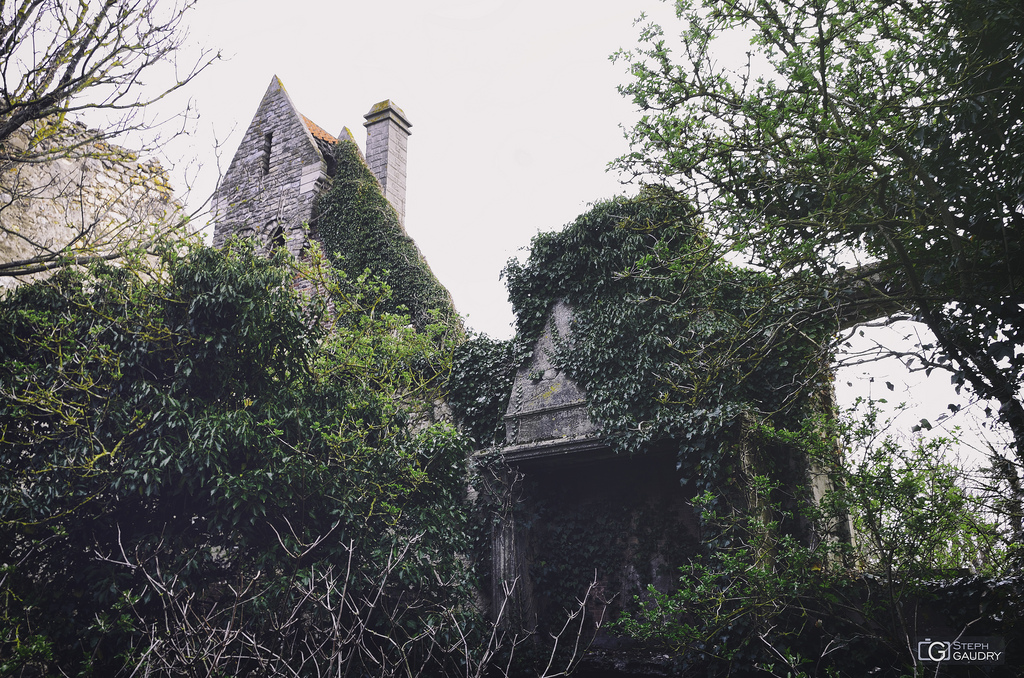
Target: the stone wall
(546, 406)
(95, 199)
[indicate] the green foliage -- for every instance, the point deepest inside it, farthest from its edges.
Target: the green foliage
(661, 331)
(360, 231)
(483, 371)
(749, 595)
(924, 545)
(859, 132)
(870, 132)
(198, 454)
(660, 342)
(913, 511)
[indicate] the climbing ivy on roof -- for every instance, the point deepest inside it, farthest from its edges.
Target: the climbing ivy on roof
(671, 343)
(361, 231)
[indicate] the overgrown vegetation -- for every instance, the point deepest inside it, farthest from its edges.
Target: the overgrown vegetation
(877, 146)
(360, 231)
(481, 381)
(866, 157)
(660, 330)
(204, 473)
(927, 553)
(659, 343)
(728, 369)
(660, 336)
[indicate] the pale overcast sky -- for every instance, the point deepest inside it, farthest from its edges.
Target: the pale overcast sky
(515, 117)
(513, 104)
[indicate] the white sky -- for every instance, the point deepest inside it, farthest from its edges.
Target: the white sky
(515, 117)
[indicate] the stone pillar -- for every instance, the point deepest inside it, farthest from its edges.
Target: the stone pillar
(512, 591)
(387, 135)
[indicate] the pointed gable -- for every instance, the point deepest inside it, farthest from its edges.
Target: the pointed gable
(282, 162)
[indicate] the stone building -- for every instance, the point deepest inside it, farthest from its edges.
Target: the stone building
(291, 182)
(630, 523)
(568, 476)
(598, 481)
(284, 162)
(82, 198)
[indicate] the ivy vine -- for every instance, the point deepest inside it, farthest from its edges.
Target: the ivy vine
(670, 343)
(360, 231)
(483, 371)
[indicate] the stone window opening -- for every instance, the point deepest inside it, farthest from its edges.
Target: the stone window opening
(268, 142)
(276, 238)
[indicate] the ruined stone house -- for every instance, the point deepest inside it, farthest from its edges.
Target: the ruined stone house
(631, 523)
(597, 468)
(565, 469)
(76, 196)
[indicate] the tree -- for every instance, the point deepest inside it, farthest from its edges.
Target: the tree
(60, 61)
(206, 472)
(875, 146)
(925, 546)
(678, 350)
(201, 447)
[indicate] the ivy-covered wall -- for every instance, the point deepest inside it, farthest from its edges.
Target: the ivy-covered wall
(290, 183)
(682, 358)
(668, 341)
(360, 230)
(670, 344)
(625, 521)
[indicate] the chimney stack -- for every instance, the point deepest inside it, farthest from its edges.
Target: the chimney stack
(387, 135)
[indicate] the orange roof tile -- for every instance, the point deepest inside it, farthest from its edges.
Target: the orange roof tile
(318, 131)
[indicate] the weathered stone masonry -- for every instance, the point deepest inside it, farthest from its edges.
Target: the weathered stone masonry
(97, 195)
(270, 186)
(387, 138)
(284, 162)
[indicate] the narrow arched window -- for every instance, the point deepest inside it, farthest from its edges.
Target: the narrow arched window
(276, 237)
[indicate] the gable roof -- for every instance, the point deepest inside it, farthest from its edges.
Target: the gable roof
(324, 141)
(317, 131)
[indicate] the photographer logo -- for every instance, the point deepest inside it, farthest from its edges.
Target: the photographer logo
(962, 650)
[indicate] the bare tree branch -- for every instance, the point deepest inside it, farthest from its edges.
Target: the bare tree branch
(67, 195)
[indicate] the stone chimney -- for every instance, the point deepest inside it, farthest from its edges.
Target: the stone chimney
(387, 135)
